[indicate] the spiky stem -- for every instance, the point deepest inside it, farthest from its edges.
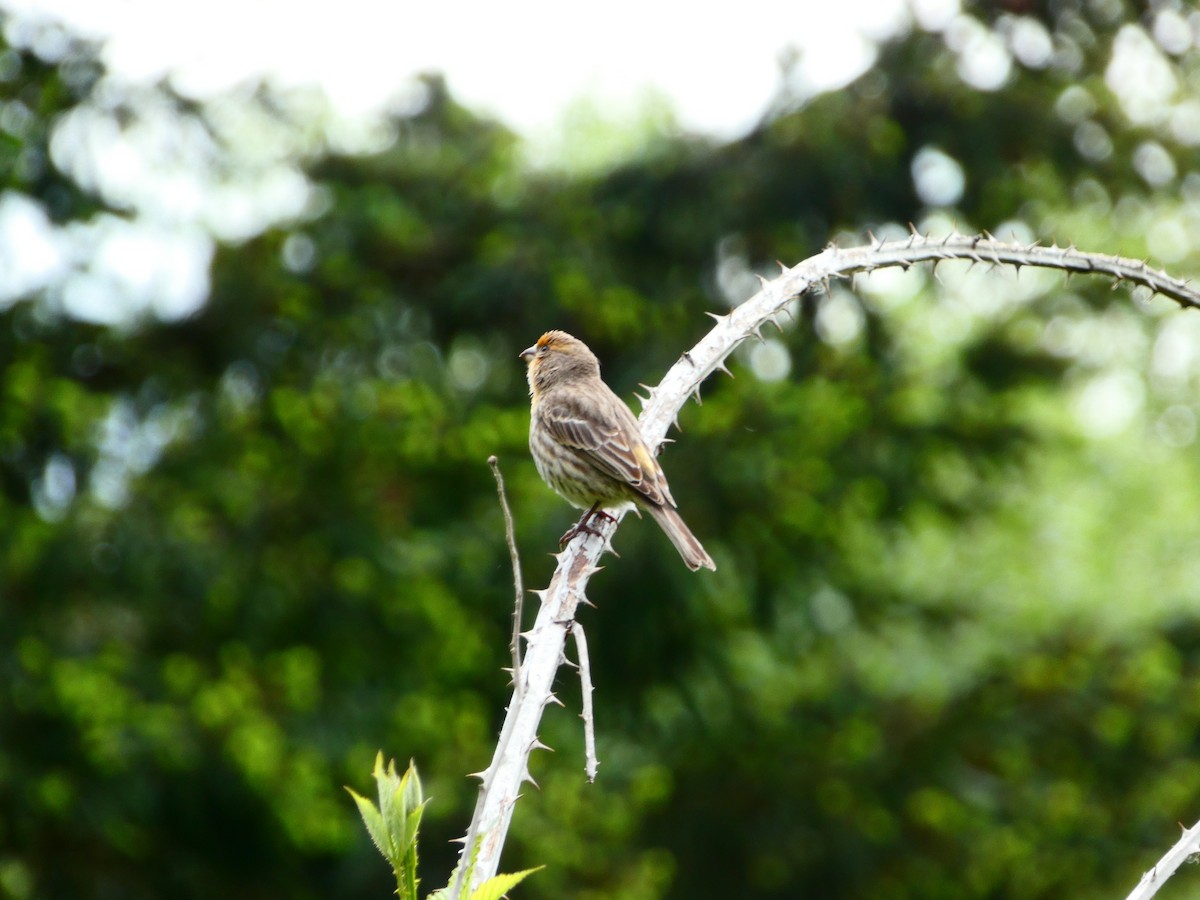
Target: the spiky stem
(577, 563)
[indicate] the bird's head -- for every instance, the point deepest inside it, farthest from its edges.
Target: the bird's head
(556, 359)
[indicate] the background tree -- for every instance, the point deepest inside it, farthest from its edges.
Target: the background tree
(951, 646)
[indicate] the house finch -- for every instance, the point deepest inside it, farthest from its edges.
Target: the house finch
(587, 445)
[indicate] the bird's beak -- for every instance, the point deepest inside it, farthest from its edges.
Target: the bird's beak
(528, 352)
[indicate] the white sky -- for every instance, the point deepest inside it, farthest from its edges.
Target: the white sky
(524, 61)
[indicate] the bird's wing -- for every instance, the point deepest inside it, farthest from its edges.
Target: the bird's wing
(607, 434)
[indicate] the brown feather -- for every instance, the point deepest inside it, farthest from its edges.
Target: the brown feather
(613, 447)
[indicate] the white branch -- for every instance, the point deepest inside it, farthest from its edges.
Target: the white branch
(747, 320)
(509, 768)
(1174, 858)
(591, 763)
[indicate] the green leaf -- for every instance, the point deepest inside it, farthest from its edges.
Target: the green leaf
(374, 822)
(466, 860)
(411, 824)
(410, 784)
(400, 802)
(388, 787)
(499, 885)
(394, 824)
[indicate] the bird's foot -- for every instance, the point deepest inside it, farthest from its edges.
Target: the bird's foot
(582, 527)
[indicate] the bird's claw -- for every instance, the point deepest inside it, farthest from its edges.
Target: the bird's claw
(582, 527)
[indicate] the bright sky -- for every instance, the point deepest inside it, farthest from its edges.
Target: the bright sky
(524, 61)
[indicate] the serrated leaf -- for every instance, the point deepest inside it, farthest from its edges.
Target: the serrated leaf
(465, 861)
(411, 824)
(499, 885)
(374, 822)
(388, 787)
(394, 815)
(411, 785)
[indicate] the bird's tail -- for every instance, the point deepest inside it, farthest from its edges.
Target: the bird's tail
(685, 542)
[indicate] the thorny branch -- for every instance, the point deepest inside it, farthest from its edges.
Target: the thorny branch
(502, 779)
(591, 763)
(1184, 848)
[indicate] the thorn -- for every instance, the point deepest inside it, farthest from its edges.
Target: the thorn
(721, 367)
(482, 776)
(593, 570)
(696, 394)
(645, 387)
(527, 777)
(687, 354)
(528, 635)
(717, 318)
(757, 333)
(782, 267)
(586, 602)
(538, 745)
(871, 237)
(462, 840)
(762, 281)
(540, 594)
(551, 698)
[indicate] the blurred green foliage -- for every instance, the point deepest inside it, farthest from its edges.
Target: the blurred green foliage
(952, 649)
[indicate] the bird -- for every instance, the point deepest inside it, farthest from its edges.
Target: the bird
(588, 448)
